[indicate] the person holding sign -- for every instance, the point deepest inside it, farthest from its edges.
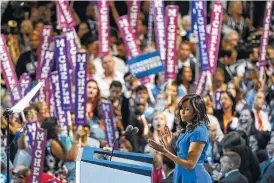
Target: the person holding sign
(191, 144)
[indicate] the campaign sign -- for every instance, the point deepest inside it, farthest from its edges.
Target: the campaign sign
(146, 64)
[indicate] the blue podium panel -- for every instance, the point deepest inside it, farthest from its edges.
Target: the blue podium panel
(93, 165)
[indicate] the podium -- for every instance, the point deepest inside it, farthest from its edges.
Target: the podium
(93, 166)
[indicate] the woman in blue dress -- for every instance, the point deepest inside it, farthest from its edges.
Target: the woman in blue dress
(191, 145)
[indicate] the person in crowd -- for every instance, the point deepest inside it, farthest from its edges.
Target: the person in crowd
(218, 87)
(247, 122)
(93, 116)
(230, 40)
(91, 18)
(56, 154)
(212, 119)
(137, 119)
(267, 168)
(249, 167)
(31, 114)
(168, 168)
(82, 29)
(142, 93)
(236, 21)
(192, 145)
(26, 29)
(21, 174)
(226, 116)
(230, 163)
(115, 98)
(104, 79)
(258, 142)
(131, 83)
(43, 111)
(186, 58)
(213, 153)
(261, 118)
(184, 82)
(171, 100)
(27, 61)
(86, 140)
(125, 145)
(158, 125)
(121, 50)
(158, 85)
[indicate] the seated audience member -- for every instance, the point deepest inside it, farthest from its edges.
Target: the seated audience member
(261, 117)
(230, 163)
(225, 116)
(21, 174)
(267, 168)
(247, 122)
(249, 167)
(125, 145)
(214, 149)
(168, 168)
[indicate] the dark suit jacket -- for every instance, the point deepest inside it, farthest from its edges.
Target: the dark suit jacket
(168, 179)
(268, 176)
(234, 177)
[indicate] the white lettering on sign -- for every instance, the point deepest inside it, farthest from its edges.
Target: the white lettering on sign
(72, 46)
(47, 64)
(65, 11)
(63, 71)
(104, 26)
(133, 15)
(145, 65)
(264, 38)
(171, 20)
(215, 29)
(128, 37)
(160, 28)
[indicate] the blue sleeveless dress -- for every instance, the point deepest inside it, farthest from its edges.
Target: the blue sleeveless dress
(198, 173)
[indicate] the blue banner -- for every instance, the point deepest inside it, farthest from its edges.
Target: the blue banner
(193, 17)
(146, 64)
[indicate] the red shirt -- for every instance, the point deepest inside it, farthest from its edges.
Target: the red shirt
(45, 178)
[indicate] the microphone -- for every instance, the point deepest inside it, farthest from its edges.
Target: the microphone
(129, 131)
(135, 130)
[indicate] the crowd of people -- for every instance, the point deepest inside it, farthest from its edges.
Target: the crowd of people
(239, 106)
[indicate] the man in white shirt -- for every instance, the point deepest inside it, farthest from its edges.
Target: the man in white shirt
(261, 118)
(120, 65)
(109, 74)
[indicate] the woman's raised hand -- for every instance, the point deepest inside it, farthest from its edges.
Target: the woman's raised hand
(165, 136)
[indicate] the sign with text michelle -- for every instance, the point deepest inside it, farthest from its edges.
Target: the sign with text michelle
(61, 22)
(8, 71)
(80, 87)
(159, 28)
(215, 35)
(72, 46)
(172, 12)
(201, 82)
(45, 39)
(66, 12)
(107, 111)
(193, 17)
(146, 64)
(104, 27)
(202, 37)
(264, 39)
(60, 53)
(38, 156)
(134, 7)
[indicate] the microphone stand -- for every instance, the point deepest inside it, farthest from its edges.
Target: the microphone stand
(7, 114)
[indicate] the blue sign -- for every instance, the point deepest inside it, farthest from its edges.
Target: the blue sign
(146, 64)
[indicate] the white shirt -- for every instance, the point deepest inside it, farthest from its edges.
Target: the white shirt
(120, 65)
(231, 172)
(264, 117)
(104, 84)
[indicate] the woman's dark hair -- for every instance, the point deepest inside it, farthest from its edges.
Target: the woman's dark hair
(232, 99)
(231, 139)
(253, 128)
(97, 100)
(50, 124)
(199, 111)
(179, 79)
